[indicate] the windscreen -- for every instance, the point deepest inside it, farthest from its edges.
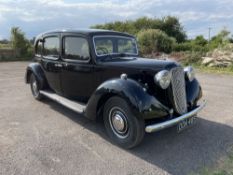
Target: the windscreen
(105, 45)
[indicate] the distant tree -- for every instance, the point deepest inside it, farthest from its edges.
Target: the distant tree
(18, 41)
(4, 41)
(32, 40)
(221, 39)
(170, 25)
(199, 44)
(200, 40)
(154, 40)
(126, 26)
(143, 23)
(231, 39)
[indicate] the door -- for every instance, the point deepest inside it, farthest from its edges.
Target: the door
(77, 71)
(51, 63)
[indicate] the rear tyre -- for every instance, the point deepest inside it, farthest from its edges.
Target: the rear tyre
(122, 126)
(35, 88)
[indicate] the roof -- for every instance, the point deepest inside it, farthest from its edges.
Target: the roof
(84, 31)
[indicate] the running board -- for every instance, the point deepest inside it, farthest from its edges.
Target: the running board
(75, 106)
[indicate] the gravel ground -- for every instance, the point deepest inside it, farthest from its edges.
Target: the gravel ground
(46, 138)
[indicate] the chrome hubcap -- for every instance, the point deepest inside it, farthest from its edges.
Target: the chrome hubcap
(34, 85)
(35, 88)
(118, 122)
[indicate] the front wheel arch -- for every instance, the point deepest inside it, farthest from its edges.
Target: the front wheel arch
(101, 103)
(140, 101)
(103, 100)
(126, 89)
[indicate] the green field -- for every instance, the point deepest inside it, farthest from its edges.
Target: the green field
(5, 46)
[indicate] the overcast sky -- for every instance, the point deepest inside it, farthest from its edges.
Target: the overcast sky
(36, 16)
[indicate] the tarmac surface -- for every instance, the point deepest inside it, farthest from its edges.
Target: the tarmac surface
(46, 138)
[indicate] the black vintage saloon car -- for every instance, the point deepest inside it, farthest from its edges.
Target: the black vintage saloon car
(99, 73)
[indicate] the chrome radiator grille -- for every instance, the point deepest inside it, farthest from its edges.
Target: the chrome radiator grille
(178, 90)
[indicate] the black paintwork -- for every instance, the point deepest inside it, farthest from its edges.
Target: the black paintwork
(94, 81)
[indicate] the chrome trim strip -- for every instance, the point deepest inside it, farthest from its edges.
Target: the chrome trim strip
(169, 123)
(75, 106)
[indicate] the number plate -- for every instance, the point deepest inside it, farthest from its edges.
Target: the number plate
(186, 123)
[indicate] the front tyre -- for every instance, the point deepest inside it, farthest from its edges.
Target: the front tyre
(122, 126)
(35, 88)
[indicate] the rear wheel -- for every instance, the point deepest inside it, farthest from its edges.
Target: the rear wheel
(35, 88)
(122, 126)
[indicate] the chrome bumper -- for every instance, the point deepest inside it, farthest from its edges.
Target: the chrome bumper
(172, 122)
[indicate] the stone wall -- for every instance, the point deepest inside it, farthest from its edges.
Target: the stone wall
(221, 57)
(8, 54)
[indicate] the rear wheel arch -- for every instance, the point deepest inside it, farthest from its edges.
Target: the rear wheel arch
(28, 75)
(36, 70)
(35, 87)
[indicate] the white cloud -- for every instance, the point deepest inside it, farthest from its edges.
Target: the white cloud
(2, 19)
(35, 16)
(220, 16)
(187, 15)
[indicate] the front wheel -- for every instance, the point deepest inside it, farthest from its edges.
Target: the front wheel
(122, 126)
(35, 88)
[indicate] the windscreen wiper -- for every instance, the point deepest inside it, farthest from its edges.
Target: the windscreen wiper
(123, 54)
(111, 56)
(106, 57)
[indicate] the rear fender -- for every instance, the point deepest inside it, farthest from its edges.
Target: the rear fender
(36, 69)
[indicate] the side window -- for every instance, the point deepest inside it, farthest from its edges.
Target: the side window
(51, 47)
(38, 49)
(76, 48)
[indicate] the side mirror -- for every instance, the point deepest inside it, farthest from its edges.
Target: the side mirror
(41, 40)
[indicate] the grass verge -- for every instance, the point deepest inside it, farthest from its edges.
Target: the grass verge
(224, 166)
(215, 70)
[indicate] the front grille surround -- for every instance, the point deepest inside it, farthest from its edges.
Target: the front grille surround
(178, 90)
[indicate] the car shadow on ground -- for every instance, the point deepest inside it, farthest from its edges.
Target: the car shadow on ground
(176, 153)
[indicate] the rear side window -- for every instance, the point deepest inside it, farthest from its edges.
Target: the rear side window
(51, 47)
(76, 48)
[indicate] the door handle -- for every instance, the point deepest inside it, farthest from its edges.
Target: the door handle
(58, 65)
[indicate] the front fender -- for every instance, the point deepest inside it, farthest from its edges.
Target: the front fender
(193, 92)
(37, 70)
(142, 104)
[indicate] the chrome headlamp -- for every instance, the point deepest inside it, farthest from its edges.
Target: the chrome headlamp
(189, 73)
(163, 79)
